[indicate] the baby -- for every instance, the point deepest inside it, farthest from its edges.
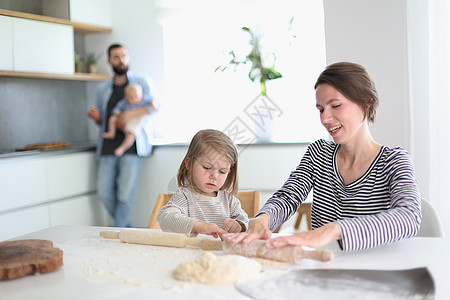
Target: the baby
(132, 100)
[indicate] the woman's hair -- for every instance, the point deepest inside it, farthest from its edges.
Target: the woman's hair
(352, 81)
(203, 142)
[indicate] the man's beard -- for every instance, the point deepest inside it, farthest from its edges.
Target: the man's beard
(120, 71)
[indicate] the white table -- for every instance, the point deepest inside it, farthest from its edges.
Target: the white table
(95, 268)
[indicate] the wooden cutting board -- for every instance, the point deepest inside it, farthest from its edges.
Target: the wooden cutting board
(44, 146)
(25, 257)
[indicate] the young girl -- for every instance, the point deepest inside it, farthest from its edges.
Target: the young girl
(207, 180)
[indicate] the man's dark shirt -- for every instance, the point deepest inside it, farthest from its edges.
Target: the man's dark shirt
(109, 145)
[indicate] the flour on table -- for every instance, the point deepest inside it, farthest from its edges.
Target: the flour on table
(213, 269)
(102, 260)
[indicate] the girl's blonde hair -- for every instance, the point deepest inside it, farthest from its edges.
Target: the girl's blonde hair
(203, 142)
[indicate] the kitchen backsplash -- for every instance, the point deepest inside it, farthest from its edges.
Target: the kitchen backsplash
(41, 110)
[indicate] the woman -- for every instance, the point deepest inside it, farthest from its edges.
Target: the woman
(364, 194)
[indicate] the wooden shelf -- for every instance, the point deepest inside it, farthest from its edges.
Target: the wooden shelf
(78, 27)
(75, 76)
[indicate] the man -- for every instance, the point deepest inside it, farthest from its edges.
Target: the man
(118, 176)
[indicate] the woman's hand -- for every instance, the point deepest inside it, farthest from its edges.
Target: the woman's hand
(316, 238)
(209, 229)
(258, 228)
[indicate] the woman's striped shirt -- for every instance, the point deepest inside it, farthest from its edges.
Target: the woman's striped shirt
(382, 206)
(186, 207)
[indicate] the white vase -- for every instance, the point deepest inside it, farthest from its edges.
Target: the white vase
(263, 113)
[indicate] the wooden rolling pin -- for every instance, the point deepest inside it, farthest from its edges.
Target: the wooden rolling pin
(290, 254)
(168, 239)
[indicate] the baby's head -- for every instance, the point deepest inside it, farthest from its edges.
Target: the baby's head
(206, 148)
(133, 93)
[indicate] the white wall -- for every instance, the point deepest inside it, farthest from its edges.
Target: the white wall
(135, 26)
(373, 34)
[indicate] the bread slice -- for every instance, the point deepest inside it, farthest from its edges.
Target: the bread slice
(24, 257)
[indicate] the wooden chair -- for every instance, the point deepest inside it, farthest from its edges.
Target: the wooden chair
(250, 202)
(303, 210)
(160, 202)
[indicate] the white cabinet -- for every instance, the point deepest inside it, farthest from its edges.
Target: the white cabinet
(23, 183)
(6, 50)
(37, 46)
(96, 12)
(84, 210)
(71, 174)
(42, 47)
(23, 221)
(40, 191)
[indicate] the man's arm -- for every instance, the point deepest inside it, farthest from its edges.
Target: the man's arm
(130, 114)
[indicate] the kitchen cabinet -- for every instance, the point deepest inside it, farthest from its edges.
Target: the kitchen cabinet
(69, 175)
(23, 183)
(45, 190)
(23, 221)
(6, 50)
(84, 210)
(42, 47)
(99, 12)
(96, 12)
(51, 38)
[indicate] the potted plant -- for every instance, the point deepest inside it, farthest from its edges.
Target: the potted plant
(78, 63)
(92, 61)
(257, 69)
(262, 110)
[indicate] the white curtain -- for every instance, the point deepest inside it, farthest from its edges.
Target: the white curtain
(429, 78)
(439, 47)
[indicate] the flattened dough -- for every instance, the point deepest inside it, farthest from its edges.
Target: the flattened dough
(213, 269)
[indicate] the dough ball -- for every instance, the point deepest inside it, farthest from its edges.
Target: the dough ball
(213, 269)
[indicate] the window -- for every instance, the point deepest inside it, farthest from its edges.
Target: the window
(197, 37)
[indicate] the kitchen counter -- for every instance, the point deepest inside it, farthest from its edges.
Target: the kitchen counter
(73, 148)
(95, 268)
(90, 146)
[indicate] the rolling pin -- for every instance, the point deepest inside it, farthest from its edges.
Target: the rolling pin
(168, 239)
(289, 254)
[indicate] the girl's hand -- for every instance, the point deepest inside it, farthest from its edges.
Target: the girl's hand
(231, 226)
(209, 229)
(258, 228)
(316, 238)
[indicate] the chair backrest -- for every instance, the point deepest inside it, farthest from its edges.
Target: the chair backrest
(160, 202)
(250, 203)
(431, 225)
